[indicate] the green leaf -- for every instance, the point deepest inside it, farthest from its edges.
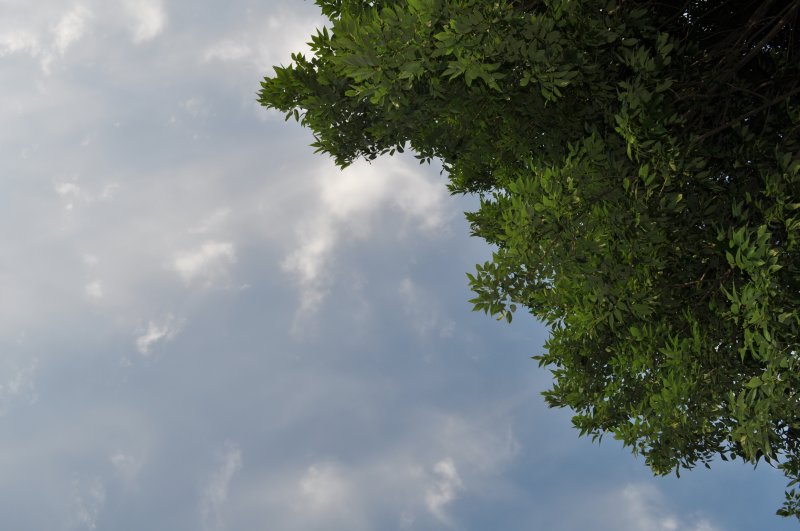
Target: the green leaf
(644, 209)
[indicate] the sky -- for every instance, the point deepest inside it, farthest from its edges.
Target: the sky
(206, 326)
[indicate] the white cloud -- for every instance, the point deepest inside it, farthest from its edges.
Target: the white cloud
(157, 332)
(307, 262)
(195, 106)
(228, 50)
(72, 193)
(69, 192)
(413, 481)
(88, 501)
(66, 189)
(208, 262)
(641, 507)
(324, 489)
(212, 222)
(94, 289)
(148, 18)
(108, 191)
(443, 488)
(43, 35)
(70, 28)
(265, 43)
(19, 41)
(215, 493)
(19, 385)
(126, 465)
(351, 203)
(364, 189)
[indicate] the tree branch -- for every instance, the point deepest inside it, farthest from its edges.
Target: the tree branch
(748, 114)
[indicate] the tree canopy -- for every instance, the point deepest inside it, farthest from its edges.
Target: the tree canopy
(638, 167)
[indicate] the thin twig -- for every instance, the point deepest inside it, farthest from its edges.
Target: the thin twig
(757, 110)
(764, 41)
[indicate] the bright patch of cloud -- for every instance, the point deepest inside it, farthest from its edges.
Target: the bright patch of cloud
(306, 263)
(412, 483)
(324, 489)
(351, 203)
(108, 192)
(67, 189)
(18, 385)
(88, 500)
(215, 493)
(155, 333)
(643, 509)
(19, 41)
(72, 193)
(195, 107)
(32, 35)
(443, 488)
(126, 465)
(213, 222)
(228, 50)
(148, 18)
(266, 43)
(209, 262)
(70, 28)
(95, 289)
(367, 189)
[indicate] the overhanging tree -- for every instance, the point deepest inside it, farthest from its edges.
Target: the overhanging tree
(638, 164)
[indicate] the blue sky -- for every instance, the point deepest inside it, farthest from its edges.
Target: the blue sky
(207, 327)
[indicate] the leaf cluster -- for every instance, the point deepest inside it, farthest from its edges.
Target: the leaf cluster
(638, 166)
